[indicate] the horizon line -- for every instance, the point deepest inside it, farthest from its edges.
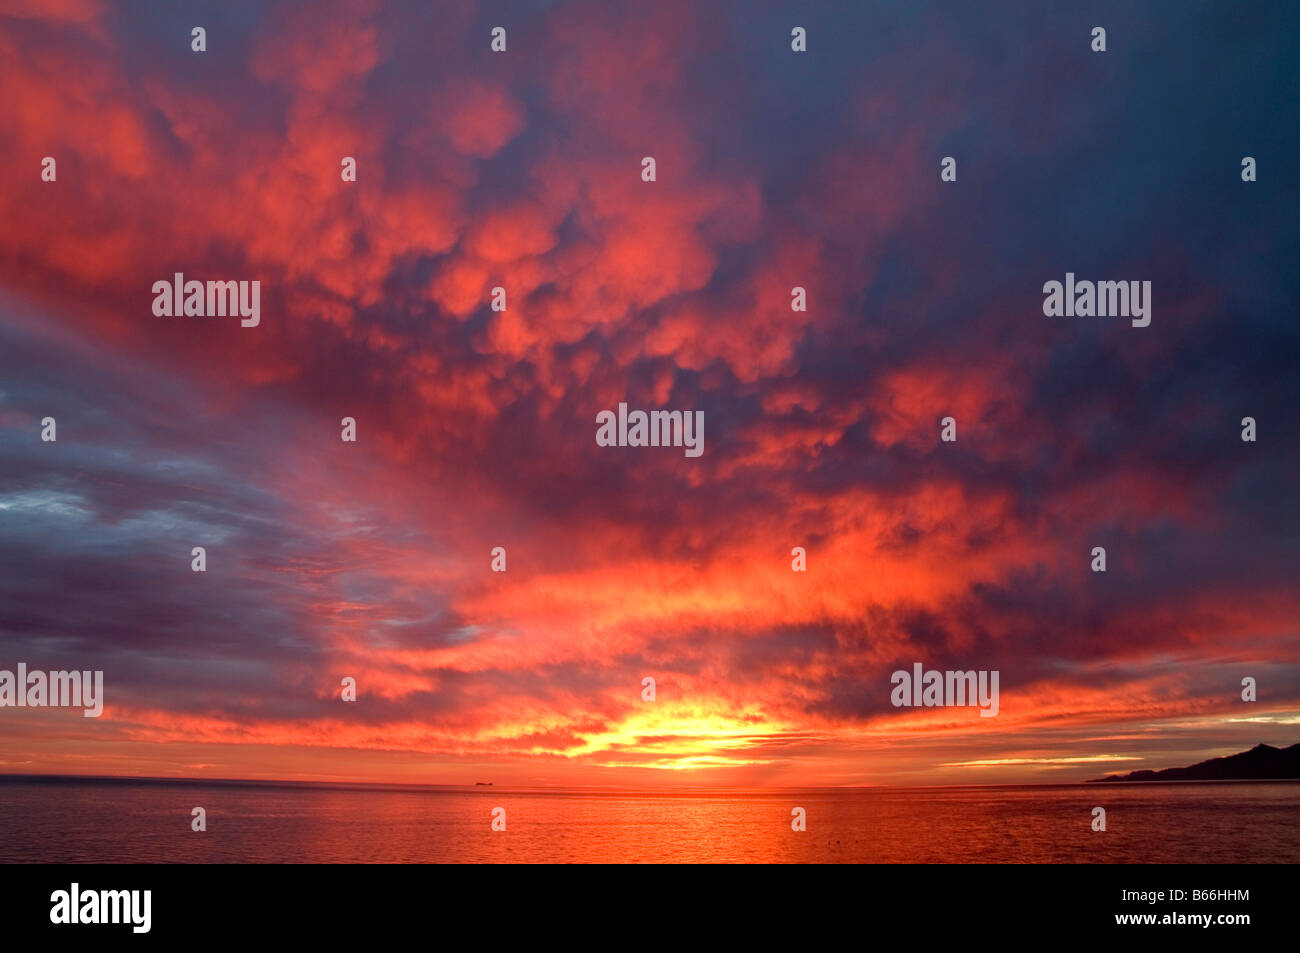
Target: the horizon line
(577, 788)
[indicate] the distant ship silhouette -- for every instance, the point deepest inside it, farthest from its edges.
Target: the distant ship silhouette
(482, 784)
(1260, 763)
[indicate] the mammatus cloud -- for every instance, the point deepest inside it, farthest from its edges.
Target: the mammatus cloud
(475, 425)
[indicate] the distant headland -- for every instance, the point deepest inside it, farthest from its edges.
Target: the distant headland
(1260, 763)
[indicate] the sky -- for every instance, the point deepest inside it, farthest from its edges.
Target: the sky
(476, 428)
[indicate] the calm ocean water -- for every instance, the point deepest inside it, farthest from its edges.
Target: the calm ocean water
(99, 821)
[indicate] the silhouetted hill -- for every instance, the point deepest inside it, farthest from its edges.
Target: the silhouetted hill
(1260, 763)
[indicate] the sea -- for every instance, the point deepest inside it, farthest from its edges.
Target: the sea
(101, 820)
